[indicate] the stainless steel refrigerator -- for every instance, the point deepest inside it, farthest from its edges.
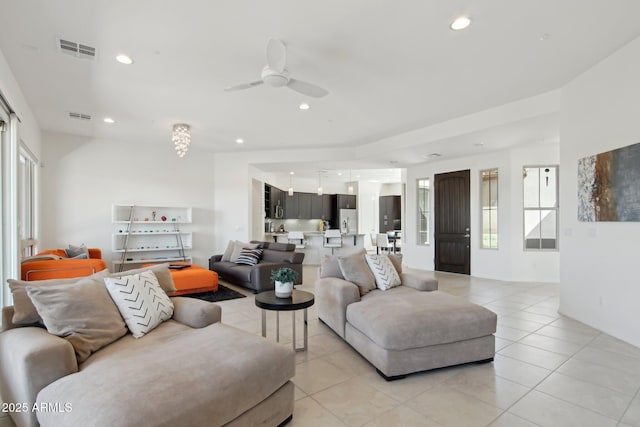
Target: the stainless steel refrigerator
(348, 221)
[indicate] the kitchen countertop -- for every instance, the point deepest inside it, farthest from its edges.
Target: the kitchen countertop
(311, 233)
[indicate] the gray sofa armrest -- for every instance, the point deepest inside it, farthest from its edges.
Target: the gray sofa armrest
(7, 318)
(30, 359)
(419, 279)
(195, 313)
(214, 259)
(332, 297)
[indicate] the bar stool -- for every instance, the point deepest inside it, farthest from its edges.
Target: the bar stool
(296, 237)
(332, 239)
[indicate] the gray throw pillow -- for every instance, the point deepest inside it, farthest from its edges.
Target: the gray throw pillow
(396, 260)
(329, 267)
(24, 312)
(226, 256)
(239, 247)
(354, 268)
(73, 251)
(83, 313)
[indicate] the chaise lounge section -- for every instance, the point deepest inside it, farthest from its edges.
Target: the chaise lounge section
(407, 328)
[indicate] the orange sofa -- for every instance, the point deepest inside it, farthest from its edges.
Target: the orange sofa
(62, 268)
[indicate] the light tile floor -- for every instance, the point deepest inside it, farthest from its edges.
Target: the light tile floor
(549, 370)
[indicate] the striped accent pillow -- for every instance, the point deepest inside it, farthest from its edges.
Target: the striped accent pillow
(249, 256)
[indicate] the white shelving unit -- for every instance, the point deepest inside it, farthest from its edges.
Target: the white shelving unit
(149, 234)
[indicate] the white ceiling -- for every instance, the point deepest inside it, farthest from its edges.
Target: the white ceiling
(391, 67)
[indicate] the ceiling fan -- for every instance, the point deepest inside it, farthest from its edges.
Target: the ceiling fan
(275, 73)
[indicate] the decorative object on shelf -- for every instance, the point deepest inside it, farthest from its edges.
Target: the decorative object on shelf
(350, 188)
(181, 138)
(283, 279)
(153, 216)
(164, 218)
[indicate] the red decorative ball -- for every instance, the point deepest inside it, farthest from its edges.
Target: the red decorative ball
(164, 218)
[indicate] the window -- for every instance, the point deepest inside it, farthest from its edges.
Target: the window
(27, 170)
(489, 204)
(423, 211)
(540, 193)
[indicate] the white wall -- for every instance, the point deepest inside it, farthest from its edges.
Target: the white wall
(29, 128)
(509, 261)
(599, 281)
(83, 177)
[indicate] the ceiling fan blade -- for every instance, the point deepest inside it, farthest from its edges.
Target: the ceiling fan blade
(276, 55)
(306, 88)
(243, 86)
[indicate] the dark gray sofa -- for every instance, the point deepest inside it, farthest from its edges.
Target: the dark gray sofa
(258, 277)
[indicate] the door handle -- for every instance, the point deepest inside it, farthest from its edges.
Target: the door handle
(467, 235)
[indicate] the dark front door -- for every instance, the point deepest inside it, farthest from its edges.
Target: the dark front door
(452, 217)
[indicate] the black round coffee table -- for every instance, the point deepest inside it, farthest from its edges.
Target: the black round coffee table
(299, 300)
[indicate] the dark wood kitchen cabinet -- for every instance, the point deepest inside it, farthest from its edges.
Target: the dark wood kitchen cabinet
(304, 205)
(316, 206)
(346, 201)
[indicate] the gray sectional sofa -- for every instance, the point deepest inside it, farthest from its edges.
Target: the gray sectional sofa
(408, 328)
(258, 277)
(186, 372)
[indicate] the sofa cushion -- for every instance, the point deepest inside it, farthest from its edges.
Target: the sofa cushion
(396, 260)
(161, 271)
(271, 255)
(82, 313)
(141, 301)
(214, 375)
(249, 256)
(239, 246)
(73, 251)
(329, 267)
(354, 268)
(383, 270)
(24, 312)
(403, 318)
(226, 256)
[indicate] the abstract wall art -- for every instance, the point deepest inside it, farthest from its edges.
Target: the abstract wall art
(609, 185)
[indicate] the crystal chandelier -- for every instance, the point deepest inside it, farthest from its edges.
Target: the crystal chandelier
(181, 138)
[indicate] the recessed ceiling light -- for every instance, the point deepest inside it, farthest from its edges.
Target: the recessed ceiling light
(292, 173)
(460, 23)
(304, 106)
(109, 120)
(124, 59)
(339, 173)
(433, 155)
(479, 144)
(545, 37)
(239, 141)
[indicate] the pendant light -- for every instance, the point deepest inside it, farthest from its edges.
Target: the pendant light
(290, 192)
(350, 188)
(319, 183)
(181, 137)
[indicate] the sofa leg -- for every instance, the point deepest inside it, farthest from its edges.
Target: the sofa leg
(287, 421)
(392, 378)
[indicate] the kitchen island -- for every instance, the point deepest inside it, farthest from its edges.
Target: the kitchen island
(314, 245)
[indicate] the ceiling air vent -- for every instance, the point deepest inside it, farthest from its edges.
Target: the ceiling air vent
(77, 50)
(79, 116)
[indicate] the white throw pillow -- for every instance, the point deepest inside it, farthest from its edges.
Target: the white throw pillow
(384, 271)
(141, 301)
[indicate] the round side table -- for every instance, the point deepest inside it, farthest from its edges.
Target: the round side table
(299, 300)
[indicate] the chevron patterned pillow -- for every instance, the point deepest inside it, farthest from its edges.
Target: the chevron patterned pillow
(141, 301)
(384, 271)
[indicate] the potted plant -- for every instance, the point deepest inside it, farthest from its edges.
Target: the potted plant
(284, 278)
